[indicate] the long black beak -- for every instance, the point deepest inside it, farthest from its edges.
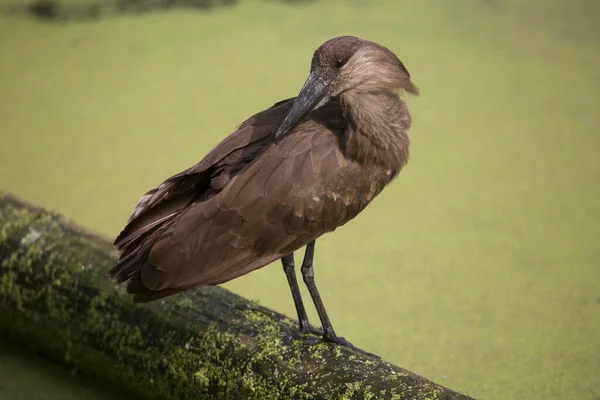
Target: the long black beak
(313, 91)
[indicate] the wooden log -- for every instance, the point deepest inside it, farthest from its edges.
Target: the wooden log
(202, 344)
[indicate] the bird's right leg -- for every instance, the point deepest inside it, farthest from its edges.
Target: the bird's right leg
(308, 274)
(290, 273)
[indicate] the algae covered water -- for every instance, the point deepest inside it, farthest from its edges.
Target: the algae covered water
(478, 268)
(25, 376)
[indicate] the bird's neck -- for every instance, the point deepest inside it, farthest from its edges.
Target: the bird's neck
(378, 124)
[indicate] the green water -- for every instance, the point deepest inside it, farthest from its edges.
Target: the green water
(478, 268)
(24, 376)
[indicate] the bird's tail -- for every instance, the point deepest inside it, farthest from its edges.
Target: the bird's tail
(130, 262)
(135, 249)
(134, 255)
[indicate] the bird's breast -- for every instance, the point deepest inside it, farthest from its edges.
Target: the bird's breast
(342, 197)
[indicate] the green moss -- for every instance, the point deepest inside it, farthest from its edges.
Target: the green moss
(184, 301)
(8, 289)
(262, 321)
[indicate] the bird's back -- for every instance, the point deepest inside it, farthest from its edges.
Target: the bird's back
(249, 202)
(160, 207)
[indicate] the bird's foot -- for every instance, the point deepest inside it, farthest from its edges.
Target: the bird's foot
(331, 337)
(308, 329)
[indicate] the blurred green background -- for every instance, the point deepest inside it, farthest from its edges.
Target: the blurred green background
(478, 268)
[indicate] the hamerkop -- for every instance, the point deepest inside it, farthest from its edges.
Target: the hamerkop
(286, 176)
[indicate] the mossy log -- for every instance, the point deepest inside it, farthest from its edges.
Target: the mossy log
(202, 344)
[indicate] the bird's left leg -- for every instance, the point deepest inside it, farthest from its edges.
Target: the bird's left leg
(290, 273)
(308, 274)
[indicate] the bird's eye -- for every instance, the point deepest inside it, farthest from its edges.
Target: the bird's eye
(339, 64)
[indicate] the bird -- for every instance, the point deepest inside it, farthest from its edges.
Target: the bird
(286, 176)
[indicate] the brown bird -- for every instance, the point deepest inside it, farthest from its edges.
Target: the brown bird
(286, 176)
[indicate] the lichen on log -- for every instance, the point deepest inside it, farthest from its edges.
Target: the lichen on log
(208, 343)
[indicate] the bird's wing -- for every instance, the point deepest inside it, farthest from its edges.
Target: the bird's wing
(204, 179)
(293, 193)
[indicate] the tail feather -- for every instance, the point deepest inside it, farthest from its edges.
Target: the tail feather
(129, 270)
(141, 294)
(135, 251)
(125, 268)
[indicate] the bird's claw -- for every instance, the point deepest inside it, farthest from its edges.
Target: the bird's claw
(311, 330)
(343, 342)
(330, 337)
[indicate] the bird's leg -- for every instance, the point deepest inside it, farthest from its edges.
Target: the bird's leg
(308, 274)
(290, 273)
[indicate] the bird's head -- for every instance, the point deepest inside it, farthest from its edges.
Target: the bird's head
(347, 64)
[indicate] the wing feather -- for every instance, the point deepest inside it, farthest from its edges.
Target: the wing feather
(276, 205)
(230, 156)
(265, 200)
